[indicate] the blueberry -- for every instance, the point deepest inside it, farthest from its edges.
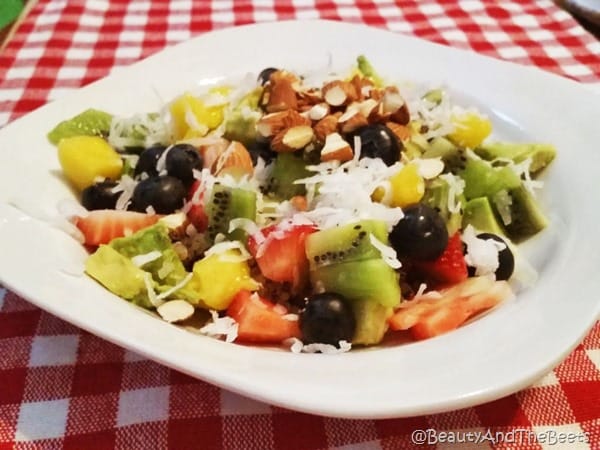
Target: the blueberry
(327, 319)
(377, 141)
(261, 149)
(181, 161)
(263, 76)
(165, 194)
(100, 196)
(148, 160)
(505, 257)
(421, 234)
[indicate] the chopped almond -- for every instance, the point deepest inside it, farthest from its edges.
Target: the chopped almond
(336, 148)
(292, 139)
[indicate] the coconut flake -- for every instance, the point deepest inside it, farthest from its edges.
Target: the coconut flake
(175, 288)
(388, 254)
(221, 326)
(143, 259)
(248, 226)
(429, 168)
(482, 254)
(456, 186)
(503, 202)
(175, 310)
(223, 247)
(156, 302)
(125, 186)
(297, 346)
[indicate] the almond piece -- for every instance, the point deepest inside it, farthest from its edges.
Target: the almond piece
(402, 132)
(299, 202)
(351, 120)
(292, 139)
(271, 124)
(235, 160)
(318, 111)
(325, 126)
(366, 107)
(339, 93)
(175, 310)
(309, 97)
(281, 95)
(211, 152)
(336, 148)
(402, 115)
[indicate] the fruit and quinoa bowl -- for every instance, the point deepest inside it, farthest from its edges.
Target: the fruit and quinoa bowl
(315, 215)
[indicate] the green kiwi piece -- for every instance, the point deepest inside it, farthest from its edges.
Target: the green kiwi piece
(479, 213)
(483, 180)
(346, 243)
(526, 217)
(369, 280)
(541, 154)
(371, 321)
(227, 203)
(436, 196)
(453, 156)
(287, 168)
(91, 122)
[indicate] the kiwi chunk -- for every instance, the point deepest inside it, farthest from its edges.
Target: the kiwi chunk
(228, 203)
(346, 243)
(541, 154)
(287, 168)
(369, 280)
(436, 196)
(526, 217)
(371, 321)
(91, 122)
(453, 156)
(483, 180)
(479, 214)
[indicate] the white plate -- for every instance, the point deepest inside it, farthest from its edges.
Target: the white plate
(494, 356)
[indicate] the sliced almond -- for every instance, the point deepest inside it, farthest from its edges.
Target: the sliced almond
(318, 111)
(235, 160)
(339, 93)
(326, 126)
(336, 148)
(271, 124)
(351, 120)
(175, 310)
(402, 132)
(212, 152)
(292, 139)
(282, 95)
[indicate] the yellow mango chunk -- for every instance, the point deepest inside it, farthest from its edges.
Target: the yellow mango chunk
(408, 186)
(192, 118)
(470, 130)
(85, 158)
(218, 278)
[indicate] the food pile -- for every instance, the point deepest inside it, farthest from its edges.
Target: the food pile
(320, 215)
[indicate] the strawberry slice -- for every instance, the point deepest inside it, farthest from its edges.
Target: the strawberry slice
(450, 267)
(196, 214)
(430, 316)
(260, 320)
(279, 251)
(103, 225)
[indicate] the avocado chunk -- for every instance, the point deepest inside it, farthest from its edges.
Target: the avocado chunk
(541, 155)
(479, 214)
(527, 218)
(371, 321)
(118, 274)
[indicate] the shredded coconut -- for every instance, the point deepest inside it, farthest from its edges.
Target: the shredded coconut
(175, 288)
(388, 254)
(297, 346)
(482, 254)
(148, 281)
(503, 202)
(456, 186)
(222, 247)
(221, 326)
(142, 260)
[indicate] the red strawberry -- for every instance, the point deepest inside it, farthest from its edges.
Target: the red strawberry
(103, 225)
(260, 320)
(196, 214)
(280, 252)
(450, 267)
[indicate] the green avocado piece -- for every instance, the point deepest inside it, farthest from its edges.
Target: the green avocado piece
(118, 274)
(371, 321)
(366, 69)
(91, 122)
(241, 123)
(168, 268)
(479, 214)
(541, 154)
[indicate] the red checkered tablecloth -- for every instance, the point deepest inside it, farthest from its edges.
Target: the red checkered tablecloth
(61, 387)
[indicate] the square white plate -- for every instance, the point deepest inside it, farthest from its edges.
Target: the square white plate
(494, 356)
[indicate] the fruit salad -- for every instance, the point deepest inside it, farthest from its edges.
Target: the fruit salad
(317, 215)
